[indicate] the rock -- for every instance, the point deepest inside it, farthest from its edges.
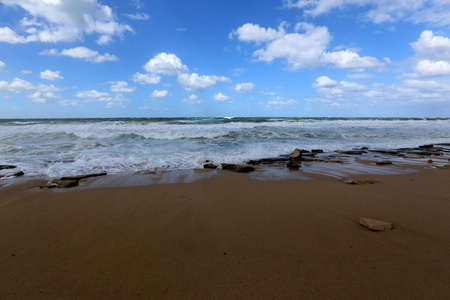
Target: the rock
(244, 169)
(426, 146)
(317, 151)
(375, 225)
(293, 166)
(49, 186)
(267, 161)
(305, 151)
(384, 162)
(67, 183)
(359, 181)
(4, 167)
(353, 152)
(209, 166)
(297, 154)
(1, 176)
(20, 173)
(430, 161)
(78, 177)
(230, 167)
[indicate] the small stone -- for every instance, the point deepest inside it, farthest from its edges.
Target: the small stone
(209, 166)
(375, 225)
(293, 166)
(384, 162)
(230, 167)
(296, 154)
(244, 169)
(359, 181)
(430, 161)
(67, 183)
(317, 151)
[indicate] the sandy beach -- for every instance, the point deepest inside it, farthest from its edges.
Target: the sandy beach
(228, 236)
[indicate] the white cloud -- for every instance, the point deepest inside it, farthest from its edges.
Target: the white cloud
(306, 49)
(81, 53)
(51, 75)
(138, 16)
(40, 97)
(160, 94)
(91, 94)
(195, 82)
(26, 72)
(146, 78)
(435, 12)
(324, 81)
(18, 85)
(221, 97)
(63, 20)
(432, 47)
(359, 75)
(347, 59)
(193, 99)
(121, 87)
(244, 87)
(428, 68)
(2, 64)
(254, 33)
(165, 63)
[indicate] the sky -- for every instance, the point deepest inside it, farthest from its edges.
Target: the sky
(211, 58)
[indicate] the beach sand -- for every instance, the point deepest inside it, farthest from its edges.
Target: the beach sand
(228, 236)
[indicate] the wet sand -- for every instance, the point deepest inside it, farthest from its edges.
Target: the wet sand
(224, 235)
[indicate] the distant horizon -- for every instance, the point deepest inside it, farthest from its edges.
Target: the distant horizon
(164, 59)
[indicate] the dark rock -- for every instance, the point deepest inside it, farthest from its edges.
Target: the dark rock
(230, 167)
(4, 167)
(268, 161)
(317, 151)
(1, 176)
(296, 155)
(20, 173)
(426, 146)
(430, 161)
(353, 152)
(293, 166)
(244, 169)
(79, 177)
(305, 151)
(67, 183)
(384, 162)
(386, 151)
(359, 181)
(49, 186)
(209, 166)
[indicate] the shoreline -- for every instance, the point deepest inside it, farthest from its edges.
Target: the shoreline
(228, 236)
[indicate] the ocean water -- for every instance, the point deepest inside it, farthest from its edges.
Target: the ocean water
(58, 147)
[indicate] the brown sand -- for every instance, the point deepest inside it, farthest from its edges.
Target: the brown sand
(229, 237)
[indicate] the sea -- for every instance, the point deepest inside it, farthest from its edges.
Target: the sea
(59, 147)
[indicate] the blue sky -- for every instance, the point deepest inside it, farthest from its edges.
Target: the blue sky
(162, 58)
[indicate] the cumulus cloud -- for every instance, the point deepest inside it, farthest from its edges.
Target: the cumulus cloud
(324, 81)
(195, 82)
(244, 87)
(51, 75)
(433, 55)
(435, 12)
(81, 53)
(63, 21)
(40, 97)
(121, 87)
(160, 94)
(254, 33)
(305, 48)
(91, 94)
(221, 97)
(146, 78)
(18, 85)
(165, 63)
(193, 99)
(2, 64)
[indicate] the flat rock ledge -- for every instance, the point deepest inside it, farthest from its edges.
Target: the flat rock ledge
(359, 181)
(69, 181)
(237, 168)
(375, 225)
(4, 167)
